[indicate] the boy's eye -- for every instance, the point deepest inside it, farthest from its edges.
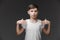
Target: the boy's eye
(31, 11)
(35, 10)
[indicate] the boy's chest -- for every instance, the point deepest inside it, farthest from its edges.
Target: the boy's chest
(32, 26)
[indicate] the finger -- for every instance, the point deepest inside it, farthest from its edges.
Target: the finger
(45, 20)
(22, 19)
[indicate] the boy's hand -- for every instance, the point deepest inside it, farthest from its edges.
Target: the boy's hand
(21, 21)
(46, 21)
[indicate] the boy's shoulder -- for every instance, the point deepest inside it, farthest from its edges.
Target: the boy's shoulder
(26, 19)
(39, 20)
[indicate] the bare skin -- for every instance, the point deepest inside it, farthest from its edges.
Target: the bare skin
(48, 29)
(33, 17)
(19, 31)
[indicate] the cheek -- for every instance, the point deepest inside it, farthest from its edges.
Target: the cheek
(31, 13)
(36, 13)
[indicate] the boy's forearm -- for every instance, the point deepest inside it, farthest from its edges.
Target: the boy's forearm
(17, 29)
(48, 29)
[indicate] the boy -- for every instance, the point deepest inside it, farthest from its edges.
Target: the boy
(33, 26)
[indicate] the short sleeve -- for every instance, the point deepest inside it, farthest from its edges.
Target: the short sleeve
(42, 25)
(24, 26)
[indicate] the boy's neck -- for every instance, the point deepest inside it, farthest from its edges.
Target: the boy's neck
(33, 20)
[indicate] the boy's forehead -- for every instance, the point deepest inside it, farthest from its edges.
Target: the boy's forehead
(33, 9)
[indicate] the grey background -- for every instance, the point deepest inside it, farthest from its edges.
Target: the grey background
(13, 10)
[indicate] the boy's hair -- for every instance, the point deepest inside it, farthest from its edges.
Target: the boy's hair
(32, 6)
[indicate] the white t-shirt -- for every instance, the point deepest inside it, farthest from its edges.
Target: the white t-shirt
(33, 30)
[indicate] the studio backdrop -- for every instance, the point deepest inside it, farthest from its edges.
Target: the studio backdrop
(13, 10)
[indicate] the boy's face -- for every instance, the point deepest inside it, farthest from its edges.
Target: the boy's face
(33, 13)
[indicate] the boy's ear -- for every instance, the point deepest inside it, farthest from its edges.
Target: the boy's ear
(28, 12)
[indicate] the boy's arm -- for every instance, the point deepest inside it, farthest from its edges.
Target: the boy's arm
(18, 30)
(48, 29)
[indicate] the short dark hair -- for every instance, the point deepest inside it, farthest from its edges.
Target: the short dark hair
(32, 6)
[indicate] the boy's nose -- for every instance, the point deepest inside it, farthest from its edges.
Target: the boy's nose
(33, 12)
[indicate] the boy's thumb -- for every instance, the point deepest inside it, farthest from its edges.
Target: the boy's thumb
(22, 19)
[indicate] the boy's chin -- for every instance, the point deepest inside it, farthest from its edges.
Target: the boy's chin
(34, 17)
